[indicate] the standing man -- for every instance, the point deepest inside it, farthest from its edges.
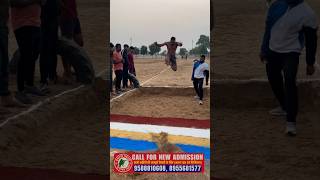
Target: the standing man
(200, 71)
(118, 67)
(6, 99)
(125, 66)
(25, 17)
(172, 46)
(111, 66)
(132, 69)
(49, 42)
(290, 25)
(71, 29)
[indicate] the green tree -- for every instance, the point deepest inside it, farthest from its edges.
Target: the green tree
(136, 50)
(144, 50)
(183, 51)
(154, 49)
(204, 41)
(203, 44)
(163, 53)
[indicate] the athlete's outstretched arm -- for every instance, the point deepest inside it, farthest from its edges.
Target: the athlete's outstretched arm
(160, 45)
(179, 44)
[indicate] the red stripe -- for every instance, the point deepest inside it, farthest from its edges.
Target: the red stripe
(176, 122)
(14, 173)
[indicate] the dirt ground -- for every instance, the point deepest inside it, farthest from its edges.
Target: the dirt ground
(66, 134)
(249, 143)
(163, 102)
(239, 27)
(156, 101)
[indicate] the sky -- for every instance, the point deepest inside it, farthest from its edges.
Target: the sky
(142, 22)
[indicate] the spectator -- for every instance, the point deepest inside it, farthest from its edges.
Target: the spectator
(71, 29)
(125, 66)
(6, 99)
(25, 17)
(49, 42)
(118, 67)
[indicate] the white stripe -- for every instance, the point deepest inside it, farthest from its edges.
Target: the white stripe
(41, 103)
(146, 128)
(132, 90)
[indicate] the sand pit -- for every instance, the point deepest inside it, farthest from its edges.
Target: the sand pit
(163, 102)
(165, 99)
(251, 144)
(65, 134)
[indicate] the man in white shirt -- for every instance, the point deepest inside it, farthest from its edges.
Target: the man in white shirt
(200, 71)
(290, 25)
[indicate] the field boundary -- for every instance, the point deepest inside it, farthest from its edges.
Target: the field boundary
(132, 90)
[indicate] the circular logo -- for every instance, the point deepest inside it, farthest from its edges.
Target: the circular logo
(122, 163)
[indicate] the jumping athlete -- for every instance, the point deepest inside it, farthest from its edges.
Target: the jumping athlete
(172, 46)
(200, 70)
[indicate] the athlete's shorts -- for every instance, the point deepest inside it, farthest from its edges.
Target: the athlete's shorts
(172, 61)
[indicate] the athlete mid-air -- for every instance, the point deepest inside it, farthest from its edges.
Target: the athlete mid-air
(172, 46)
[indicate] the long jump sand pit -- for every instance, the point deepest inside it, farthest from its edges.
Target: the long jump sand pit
(251, 144)
(164, 119)
(65, 134)
(176, 102)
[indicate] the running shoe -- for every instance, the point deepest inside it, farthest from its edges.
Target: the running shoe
(278, 112)
(200, 102)
(196, 97)
(23, 98)
(33, 91)
(291, 129)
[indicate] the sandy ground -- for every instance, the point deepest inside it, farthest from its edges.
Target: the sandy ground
(239, 27)
(66, 134)
(157, 101)
(249, 143)
(163, 102)
(69, 133)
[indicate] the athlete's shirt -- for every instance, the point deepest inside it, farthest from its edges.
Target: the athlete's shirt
(199, 69)
(117, 58)
(286, 34)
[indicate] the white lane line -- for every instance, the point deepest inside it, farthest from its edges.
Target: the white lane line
(117, 97)
(156, 76)
(146, 128)
(39, 104)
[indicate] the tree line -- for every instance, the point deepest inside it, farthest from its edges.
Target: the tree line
(202, 47)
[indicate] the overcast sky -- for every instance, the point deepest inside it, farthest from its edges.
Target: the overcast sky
(147, 21)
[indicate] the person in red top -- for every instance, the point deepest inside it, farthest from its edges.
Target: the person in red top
(131, 67)
(71, 29)
(25, 18)
(118, 67)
